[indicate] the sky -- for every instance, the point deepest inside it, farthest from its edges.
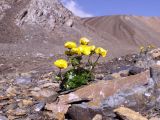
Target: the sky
(90, 8)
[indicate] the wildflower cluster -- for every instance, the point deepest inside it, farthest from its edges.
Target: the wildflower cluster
(79, 73)
(145, 50)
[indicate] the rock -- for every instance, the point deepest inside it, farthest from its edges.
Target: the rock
(116, 75)
(97, 117)
(60, 116)
(69, 23)
(155, 53)
(128, 114)
(48, 14)
(158, 62)
(27, 102)
(20, 112)
(155, 73)
(123, 75)
(58, 109)
(135, 70)
(120, 74)
(100, 90)
(101, 93)
(145, 61)
(3, 118)
(154, 118)
(35, 94)
(3, 97)
(45, 94)
(35, 89)
(11, 91)
(11, 106)
(54, 86)
(17, 112)
(38, 107)
(23, 80)
(99, 76)
(108, 77)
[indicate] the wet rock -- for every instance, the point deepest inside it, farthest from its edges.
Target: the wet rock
(128, 114)
(23, 80)
(38, 107)
(3, 118)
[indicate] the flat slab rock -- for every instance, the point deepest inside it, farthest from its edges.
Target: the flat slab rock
(97, 92)
(128, 114)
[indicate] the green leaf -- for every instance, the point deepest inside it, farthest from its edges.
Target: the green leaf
(75, 78)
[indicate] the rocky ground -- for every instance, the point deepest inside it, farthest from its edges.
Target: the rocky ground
(32, 33)
(35, 95)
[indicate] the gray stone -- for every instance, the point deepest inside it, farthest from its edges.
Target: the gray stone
(69, 23)
(108, 77)
(3, 118)
(155, 73)
(23, 80)
(135, 70)
(38, 107)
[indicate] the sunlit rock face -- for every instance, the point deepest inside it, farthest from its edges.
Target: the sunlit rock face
(46, 13)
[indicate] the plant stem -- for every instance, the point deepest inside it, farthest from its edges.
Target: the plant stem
(95, 62)
(89, 59)
(60, 74)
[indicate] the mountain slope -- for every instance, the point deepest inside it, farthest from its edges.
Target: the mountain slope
(128, 32)
(34, 28)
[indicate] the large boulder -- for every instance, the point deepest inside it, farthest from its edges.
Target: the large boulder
(103, 96)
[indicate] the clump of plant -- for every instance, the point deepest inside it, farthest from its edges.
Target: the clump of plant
(78, 72)
(144, 50)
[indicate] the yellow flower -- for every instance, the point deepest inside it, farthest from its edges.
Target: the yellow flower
(76, 51)
(101, 51)
(70, 45)
(61, 63)
(92, 48)
(84, 41)
(85, 50)
(150, 46)
(142, 48)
